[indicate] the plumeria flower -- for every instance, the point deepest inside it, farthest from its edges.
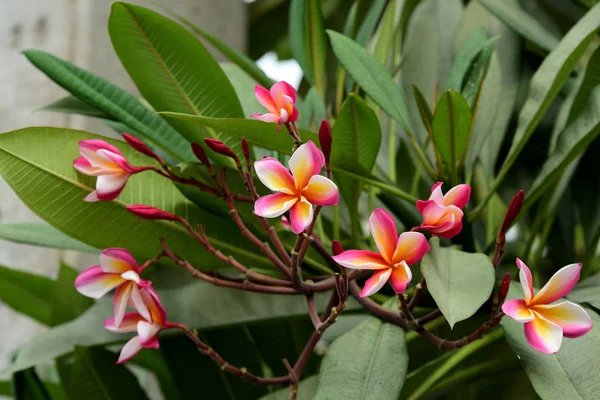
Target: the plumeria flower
(107, 163)
(392, 261)
(546, 323)
(279, 101)
(442, 214)
(146, 326)
(298, 191)
(117, 269)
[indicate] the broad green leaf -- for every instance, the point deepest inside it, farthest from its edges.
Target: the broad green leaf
(548, 80)
(451, 126)
(315, 43)
(95, 375)
(569, 374)
(27, 385)
(173, 70)
(40, 234)
(511, 13)
(67, 302)
(311, 111)
(112, 100)
(572, 142)
(465, 58)
(371, 75)
(45, 156)
(240, 59)
(306, 390)
(72, 105)
(27, 293)
(199, 305)
(587, 291)
(368, 362)
(459, 282)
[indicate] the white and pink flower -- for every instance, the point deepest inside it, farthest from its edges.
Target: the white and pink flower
(118, 269)
(442, 214)
(105, 161)
(396, 254)
(547, 323)
(279, 101)
(297, 191)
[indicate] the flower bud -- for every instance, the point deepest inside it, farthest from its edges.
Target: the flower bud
(336, 248)
(152, 213)
(325, 139)
(139, 146)
(504, 286)
(219, 147)
(514, 208)
(245, 149)
(201, 155)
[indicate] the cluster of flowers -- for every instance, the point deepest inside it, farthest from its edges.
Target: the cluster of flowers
(298, 189)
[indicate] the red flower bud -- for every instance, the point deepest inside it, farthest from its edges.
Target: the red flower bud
(504, 286)
(336, 248)
(246, 149)
(325, 139)
(200, 154)
(139, 146)
(219, 147)
(514, 208)
(153, 213)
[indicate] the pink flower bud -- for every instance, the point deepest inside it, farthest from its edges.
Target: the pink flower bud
(336, 248)
(152, 213)
(139, 146)
(325, 139)
(219, 147)
(514, 208)
(201, 155)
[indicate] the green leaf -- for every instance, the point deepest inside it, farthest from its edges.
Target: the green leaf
(572, 142)
(114, 101)
(27, 293)
(367, 27)
(459, 282)
(67, 302)
(199, 305)
(424, 109)
(72, 105)
(6, 389)
(451, 126)
(45, 156)
(548, 79)
(95, 375)
(164, 60)
(244, 87)
(511, 13)
(306, 390)
(312, 111)
(465, 58)
(569, 374)
(40, 234)
(368, 362)
(371, 75)
(587, 291)
(28, 386)
(297, 37)
(240, 59)
(315, 43)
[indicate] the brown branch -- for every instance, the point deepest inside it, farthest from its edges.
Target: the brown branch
(417, 295)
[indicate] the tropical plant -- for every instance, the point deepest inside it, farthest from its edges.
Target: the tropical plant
(241, 271)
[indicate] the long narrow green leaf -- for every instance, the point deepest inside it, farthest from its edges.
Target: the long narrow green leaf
(315, 43)
(173, 70)
(27, 293)
(39, 234)
(72, 105)
(67, 302)
(465, 58)
(297, 37)
(113, 101)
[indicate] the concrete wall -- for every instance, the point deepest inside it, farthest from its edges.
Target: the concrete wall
(74, 30)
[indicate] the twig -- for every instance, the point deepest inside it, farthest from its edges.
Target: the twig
(417, 295)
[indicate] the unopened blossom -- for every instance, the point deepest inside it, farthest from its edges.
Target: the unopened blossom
(279, 101)
(442, 214)
(147, 326)
(297, 191)
(546, 323)
(118, 269)
(392, 261)
(105, 161)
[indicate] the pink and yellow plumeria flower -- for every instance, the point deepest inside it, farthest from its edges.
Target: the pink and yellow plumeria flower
(299, 190)
(279, 101)
(546, 323)
(147, 327)
(392, 261)
(442, 214)
(117, 269)
(107, 163)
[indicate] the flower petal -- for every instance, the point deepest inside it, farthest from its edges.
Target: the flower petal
(436, 193)
(128, 324)
(264, 98)
(301, 215)
(147, 331)
(517, 310)
(458, 196)
(294, 115)
(108, 187)
(120, 301)
(130, 350)
(94, 283)
(157, 311)
(117, 260)
(401, 277)
(376, 282)
(411, 247)
(283, 116)
(306, 162)
(274, 205)
(561, 283)
(571, 317)
(431, 211)
(117, 159)
(266, 117)
(543, 335)
(92, 197)
(281, 89)
(274, 175)
(456, 227)
(383, 230)
(526, 280)
(361, 259)
(321, 191)
(94, 145)
(82, 165)
(138, 303)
